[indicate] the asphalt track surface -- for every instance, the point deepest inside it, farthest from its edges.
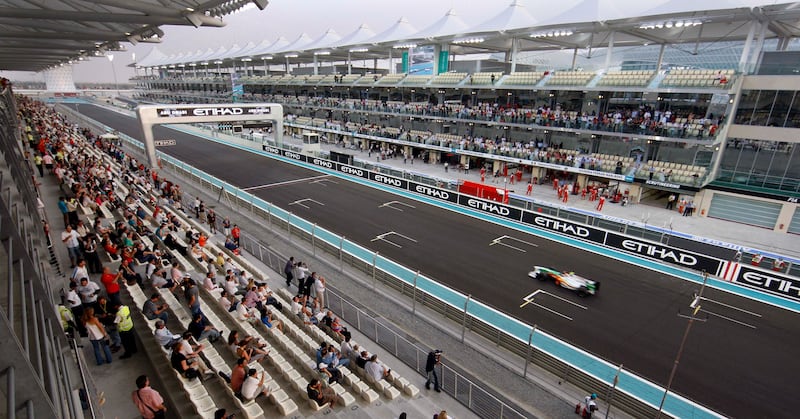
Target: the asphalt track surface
(733, 369)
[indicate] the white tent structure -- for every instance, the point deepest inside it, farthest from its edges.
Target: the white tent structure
(330, 36)
(515, 16)
(357, 37)
(449, 24)
(401, 30)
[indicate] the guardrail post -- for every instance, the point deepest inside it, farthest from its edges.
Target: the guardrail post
(289, 225)
(414, 297)
(374, 259)
(610, 394)
(341, 253)
(269, 215)
(313, 239)
(464, 319)
(11, 396)
(530, 348)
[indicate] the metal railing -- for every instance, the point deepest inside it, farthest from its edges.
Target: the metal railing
(37, 358)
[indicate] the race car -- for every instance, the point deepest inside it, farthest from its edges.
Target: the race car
(568, 280)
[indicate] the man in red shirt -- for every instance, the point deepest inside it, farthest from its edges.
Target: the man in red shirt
(238, 375)
(235, 233)
(111, 281)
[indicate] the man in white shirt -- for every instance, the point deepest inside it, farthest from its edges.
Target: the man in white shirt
(70, 238)
(252, 386)
(230, 286)
(88, 291)
(224, 301)
(375, 369)
(80, 271)
(208, 282)
(163, 336)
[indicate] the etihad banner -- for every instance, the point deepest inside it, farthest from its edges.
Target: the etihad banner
(579, 231)
(663, 253)
(772, 282)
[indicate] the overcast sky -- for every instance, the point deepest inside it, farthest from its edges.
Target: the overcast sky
(290, 18)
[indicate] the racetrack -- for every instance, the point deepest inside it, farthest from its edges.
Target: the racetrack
(633, 320)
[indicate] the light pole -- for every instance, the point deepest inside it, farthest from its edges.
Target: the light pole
(113, 71)
(696, 308)
(695, 305)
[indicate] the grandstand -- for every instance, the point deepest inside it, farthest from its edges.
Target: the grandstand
(721, 134)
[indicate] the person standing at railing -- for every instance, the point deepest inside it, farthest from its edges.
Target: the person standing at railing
(434, 359)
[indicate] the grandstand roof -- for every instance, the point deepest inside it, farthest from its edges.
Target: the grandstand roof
(36, 35)
(515, 16)
(585, 26)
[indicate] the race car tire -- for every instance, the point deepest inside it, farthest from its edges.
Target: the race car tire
(540, 276)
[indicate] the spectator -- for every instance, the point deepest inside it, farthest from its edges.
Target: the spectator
(152, 310)
(320, 394)
(434, 359)
(111, 282)
(266, 318)
(181, 364)
(71, 241)
(88, 291)
(147, 400)
(375, 369)
(238, 375)
(104, 312)
(334, 375)
(192, 353)
(201, 329)
(98, 337)
(288, 270)
(254, 387)
(164, 337)
(236, 234)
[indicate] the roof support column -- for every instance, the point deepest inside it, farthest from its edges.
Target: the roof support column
(610, 50)
(288, 69)
(437, 49)
(316, 65)
(391, 62)
(746, 49)
(660, 57)
(574, 58)
(759, 46)
(514, 51)
(349, 64)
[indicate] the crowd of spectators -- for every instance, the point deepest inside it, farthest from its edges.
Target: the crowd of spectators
(135, 223)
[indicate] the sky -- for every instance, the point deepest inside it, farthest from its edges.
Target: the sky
(290, 18)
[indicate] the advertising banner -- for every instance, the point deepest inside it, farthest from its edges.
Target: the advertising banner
(568, 228)
(432, 192)
(773, 282)
(663, 253)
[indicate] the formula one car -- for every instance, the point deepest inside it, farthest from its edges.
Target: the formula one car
(568, 280)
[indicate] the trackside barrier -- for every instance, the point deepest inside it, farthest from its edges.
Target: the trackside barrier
(633, 394)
